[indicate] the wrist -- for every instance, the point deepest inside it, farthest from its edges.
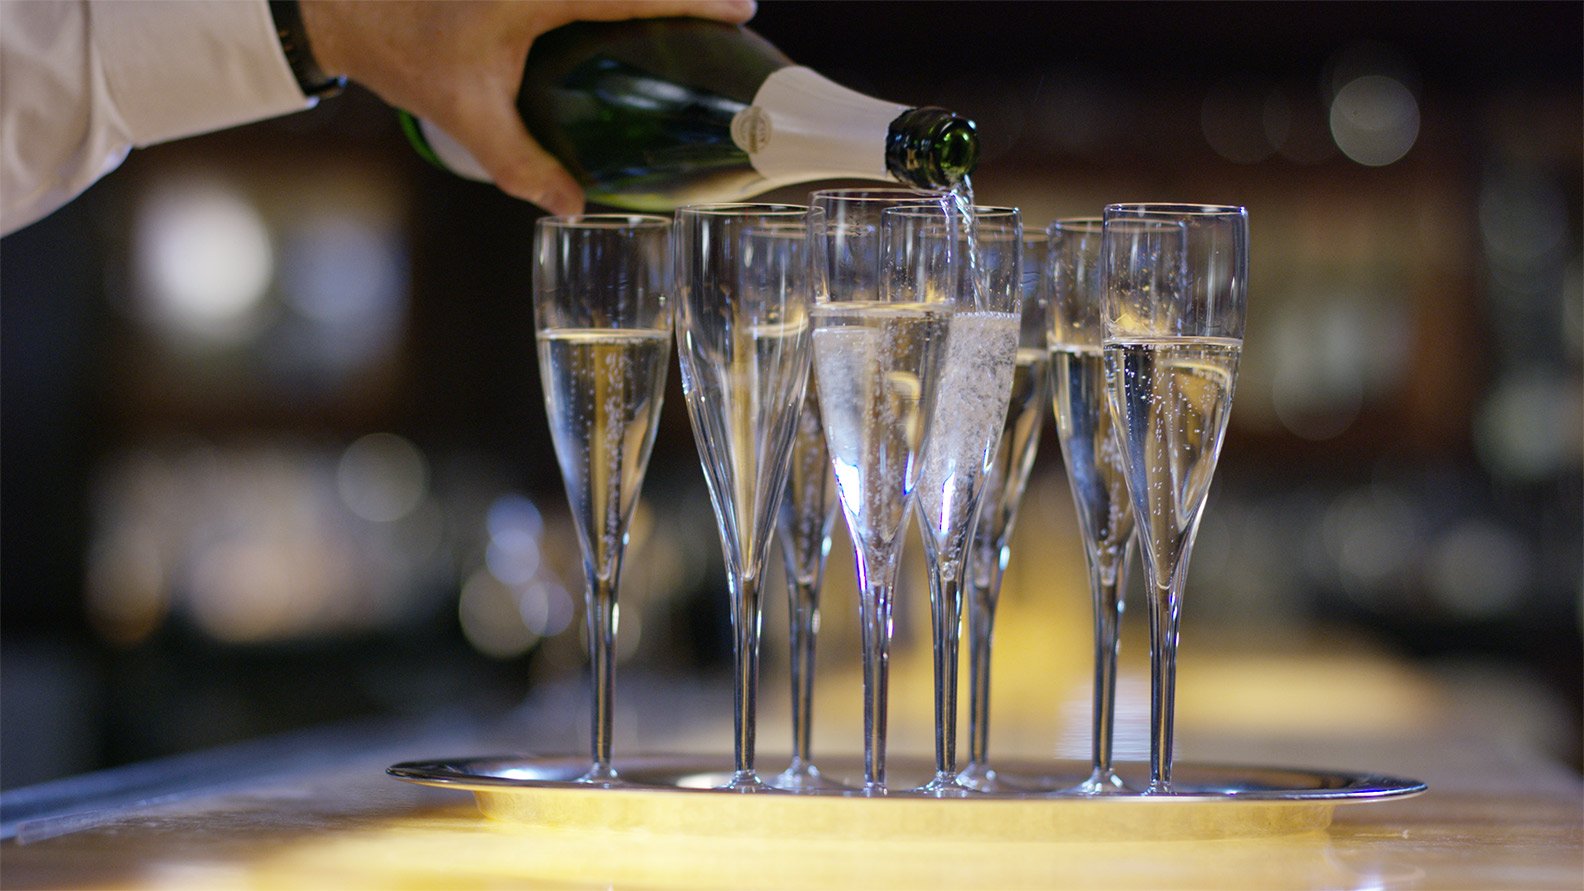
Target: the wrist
(302, 34)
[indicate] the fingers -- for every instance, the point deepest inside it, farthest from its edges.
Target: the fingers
(519, 166)
(734, 11)
(497, 137)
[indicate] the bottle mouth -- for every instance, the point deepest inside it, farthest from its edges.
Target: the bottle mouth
(958, 150)
(932, 148)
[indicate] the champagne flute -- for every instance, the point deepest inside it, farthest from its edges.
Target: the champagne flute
(998, 508)
(743, 287)
(602, 308)
(1093, 460)
(877, 355)
(804, 525)
(1173, 334)
(931, 256)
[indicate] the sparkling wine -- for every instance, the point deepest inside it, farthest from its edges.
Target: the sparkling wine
(1171, 398)
(602, 395)
(976, 376)
(804, 521)
(742, 385)
(877, 367)
(804, 526)
(1010, 465)
(1089, 446)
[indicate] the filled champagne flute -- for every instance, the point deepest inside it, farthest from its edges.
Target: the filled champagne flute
(1005, 482)
(804, 526)
(877, 353)
(931, 258)
(743, 287)
(1093, 459)
(1173, 335)
(602, 291)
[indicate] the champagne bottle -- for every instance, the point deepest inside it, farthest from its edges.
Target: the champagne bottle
(651, 114)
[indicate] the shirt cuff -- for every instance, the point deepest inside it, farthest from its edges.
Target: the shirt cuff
(175, 68)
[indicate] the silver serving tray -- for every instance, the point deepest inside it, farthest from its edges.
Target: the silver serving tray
(677, 796)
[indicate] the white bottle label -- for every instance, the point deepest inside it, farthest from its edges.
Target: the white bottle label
(803, 127)
(451, 153)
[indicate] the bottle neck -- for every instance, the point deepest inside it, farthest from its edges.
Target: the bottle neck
(931, 148)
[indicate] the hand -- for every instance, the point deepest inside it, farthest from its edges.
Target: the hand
(459, 65)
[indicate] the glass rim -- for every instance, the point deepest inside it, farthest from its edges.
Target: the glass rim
(605, 221)
(1077, 225)
(756, 208)
(1175, 209)
(878, 194)
(992, 212)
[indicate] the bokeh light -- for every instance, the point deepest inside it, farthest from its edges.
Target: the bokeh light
(1375, 120)
(491, 618)
(1478, 570)
(203, 260)
(382, 477)
(1531, 426)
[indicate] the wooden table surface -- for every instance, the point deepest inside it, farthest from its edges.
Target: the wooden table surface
(317, 810)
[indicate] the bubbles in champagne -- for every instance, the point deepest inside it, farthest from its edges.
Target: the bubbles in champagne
(602, 395)
(1171, 398)
(874, 362)
(976, 380)
(1009, 468)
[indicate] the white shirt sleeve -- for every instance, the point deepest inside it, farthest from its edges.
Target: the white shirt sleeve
(82, 82)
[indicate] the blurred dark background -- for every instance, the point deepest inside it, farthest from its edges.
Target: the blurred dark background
(273, 446)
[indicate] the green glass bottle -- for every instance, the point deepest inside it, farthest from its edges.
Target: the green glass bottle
(652, 114)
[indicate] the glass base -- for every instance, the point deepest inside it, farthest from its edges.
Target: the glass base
(981, 777)
(944, 785)
(747, 782)
(601, 778)
(1103, 781)
(802, 776)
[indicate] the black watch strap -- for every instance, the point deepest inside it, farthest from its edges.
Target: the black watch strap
(293, 36)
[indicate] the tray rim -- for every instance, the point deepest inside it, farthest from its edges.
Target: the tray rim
(1340, 787)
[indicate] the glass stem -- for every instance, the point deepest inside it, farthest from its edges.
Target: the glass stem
(1107, 576)
(745, 617)
(1165, 608)
(946, 602)
(803, 618)
(874, 619)
(600, 608)
(981, 629)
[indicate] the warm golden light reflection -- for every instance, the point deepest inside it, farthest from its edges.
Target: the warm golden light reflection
(128, 584)
(259, 541)
(490, 618)
(442, 851)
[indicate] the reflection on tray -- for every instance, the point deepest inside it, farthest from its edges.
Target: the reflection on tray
(678, 796)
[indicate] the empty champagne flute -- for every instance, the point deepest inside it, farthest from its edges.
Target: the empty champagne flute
(743, 286)
(877, 354)
(804, 526)
(1093, 460)
(930, 257)
(602, 288)
(1006, 480)
(1173, 334)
